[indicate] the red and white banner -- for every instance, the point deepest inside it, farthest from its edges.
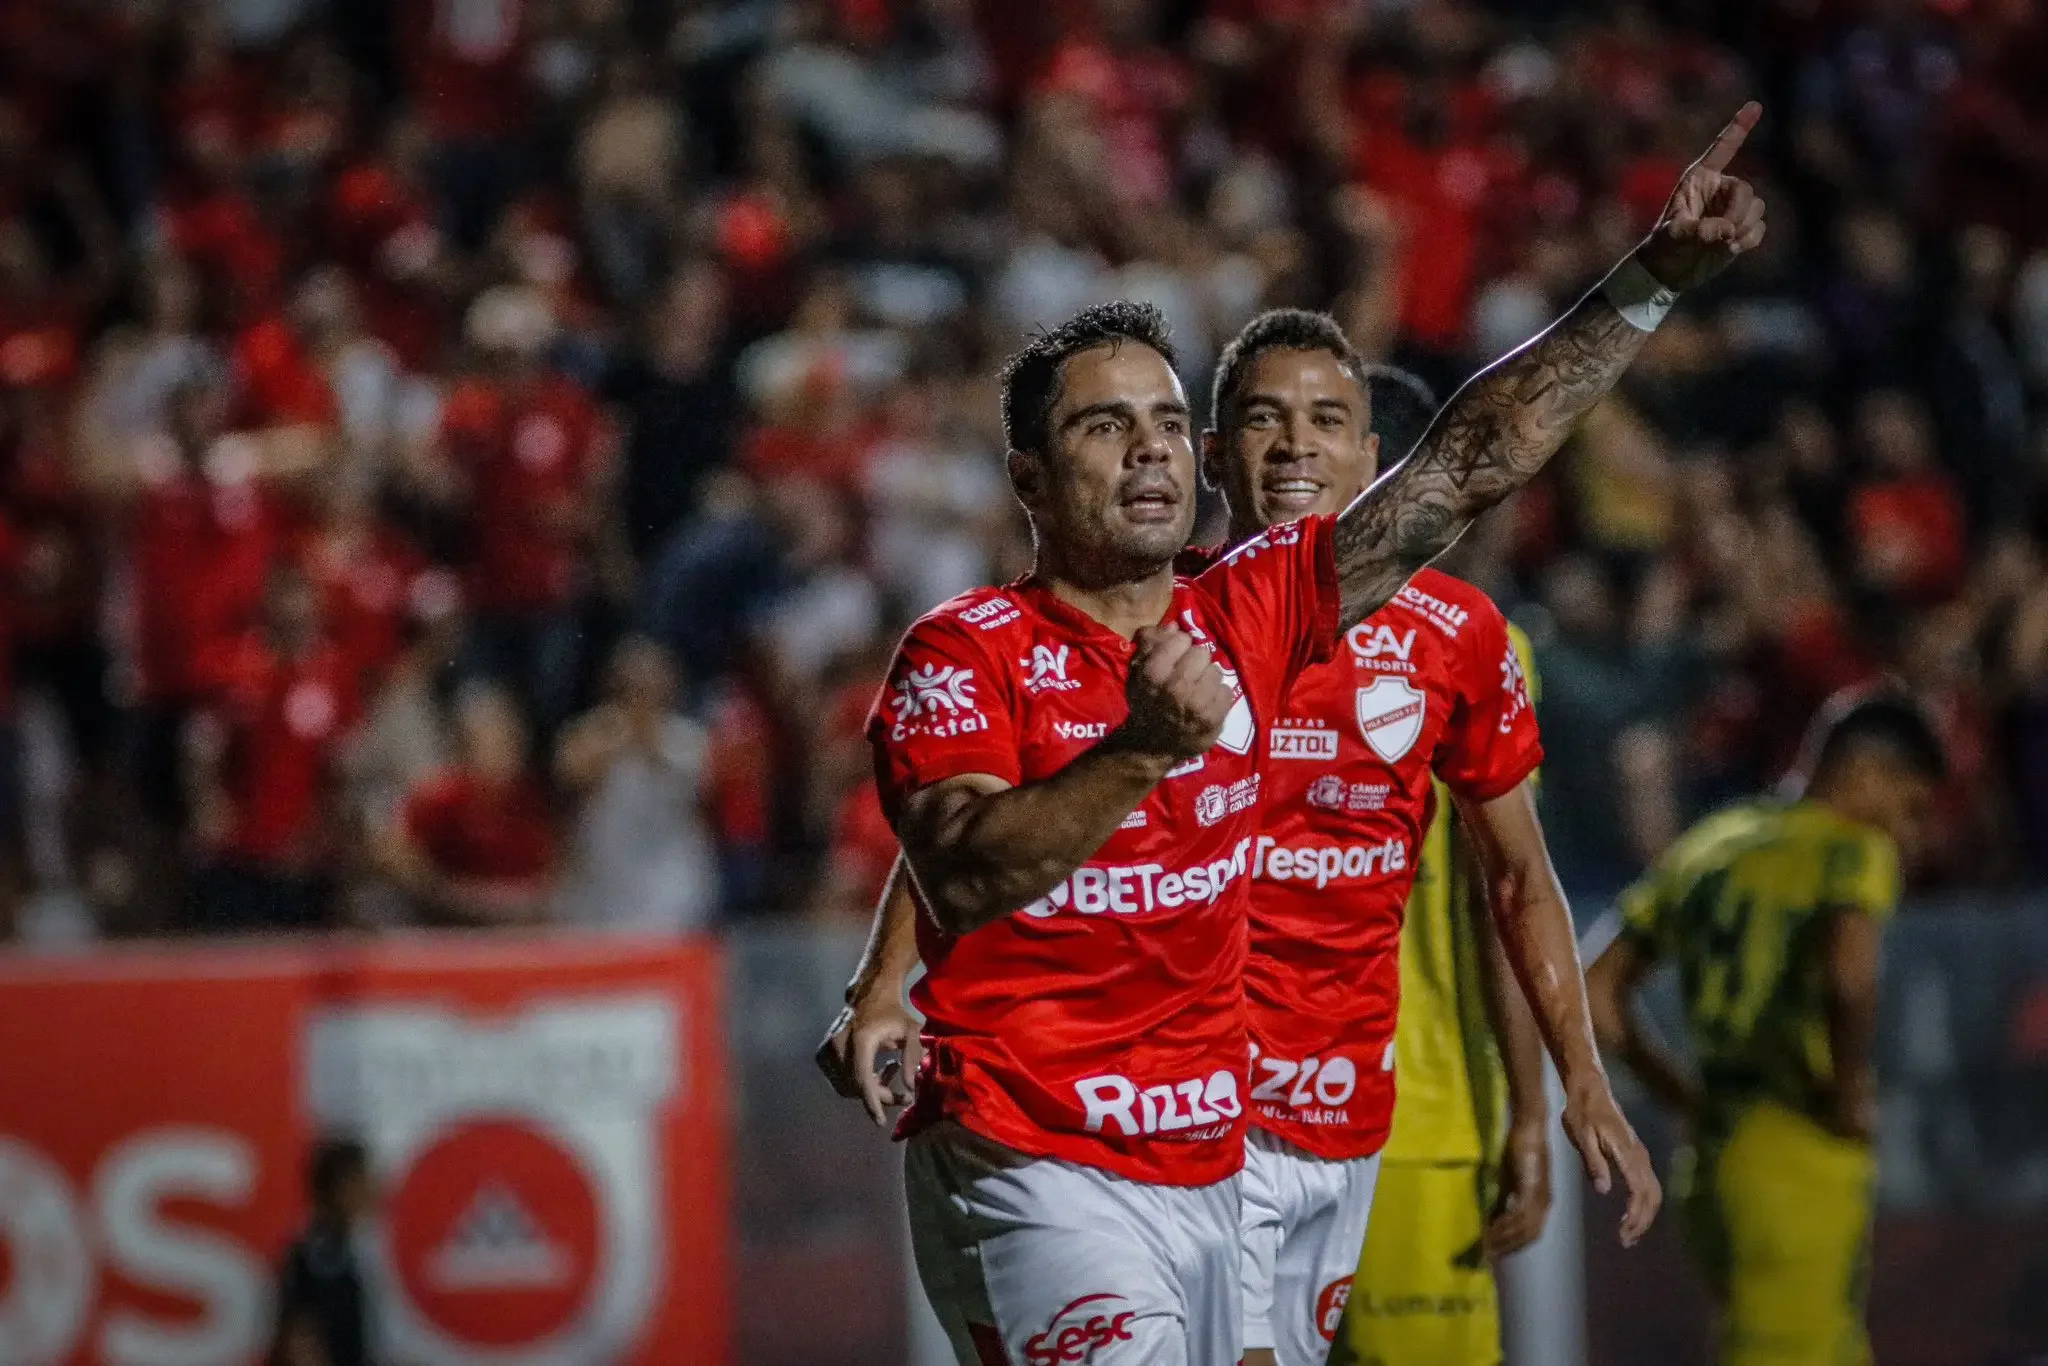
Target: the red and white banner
(546, 1117)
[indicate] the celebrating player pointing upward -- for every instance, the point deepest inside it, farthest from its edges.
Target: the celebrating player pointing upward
(1071, 765)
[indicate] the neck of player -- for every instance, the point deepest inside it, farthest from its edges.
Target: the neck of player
(1123, 604)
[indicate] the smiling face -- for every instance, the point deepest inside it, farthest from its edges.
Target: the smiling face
(1296, 440)
(1113, 499)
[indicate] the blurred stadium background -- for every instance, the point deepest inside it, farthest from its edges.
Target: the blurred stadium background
(373, 371)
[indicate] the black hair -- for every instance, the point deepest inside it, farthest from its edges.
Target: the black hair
(1031, 376)
(1403, 406)
(332, 1162)
(1884, 718)
(1280, 329)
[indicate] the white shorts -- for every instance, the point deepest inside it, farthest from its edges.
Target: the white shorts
(1304, 1225)
(1038, 1262)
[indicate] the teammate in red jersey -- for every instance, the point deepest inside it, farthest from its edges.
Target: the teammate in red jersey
(1070, 765)
(1429, 684)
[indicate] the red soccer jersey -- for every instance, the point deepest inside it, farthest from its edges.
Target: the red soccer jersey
(1104, 1023)
(469, 830)
(529, 458)
(285, 722)
(1429, 682)
(202, 555)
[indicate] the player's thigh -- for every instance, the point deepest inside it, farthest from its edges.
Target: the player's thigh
(1036, 1262)
(1794, 1202)
(1318, 1257)
(1266, 1200)
(1424, 1291)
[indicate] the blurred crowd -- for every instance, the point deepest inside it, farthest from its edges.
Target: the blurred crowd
(467, 461)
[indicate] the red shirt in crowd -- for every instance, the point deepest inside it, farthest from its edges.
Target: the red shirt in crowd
(1428, 684)
(367, 586)
(474, 831)
(530, 457)
(466, 60)
(1104, 1023)
(1910, 535)
(1133, 96)
(1442, 195)
(203, 553)
(383, 228)
(280, 382)
(284, 721)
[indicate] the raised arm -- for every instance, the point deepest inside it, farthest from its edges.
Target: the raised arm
(1538, 942)
(981, 848)
(1509, 419)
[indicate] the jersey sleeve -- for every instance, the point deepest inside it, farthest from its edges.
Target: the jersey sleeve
(1279, 593)
(1861, 874)
(945, 710)
(1642, 907)
(1491, 743)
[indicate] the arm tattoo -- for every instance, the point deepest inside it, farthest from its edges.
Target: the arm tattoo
(1489, 440)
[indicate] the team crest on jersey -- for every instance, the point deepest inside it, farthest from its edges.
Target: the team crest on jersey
(1390, 716)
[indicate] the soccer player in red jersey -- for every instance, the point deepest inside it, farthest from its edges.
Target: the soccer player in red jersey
(1429, 684)
(1071, 763)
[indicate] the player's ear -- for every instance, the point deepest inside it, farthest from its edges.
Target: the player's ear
(1372, 455)
(1211, 465)
(1027, 477)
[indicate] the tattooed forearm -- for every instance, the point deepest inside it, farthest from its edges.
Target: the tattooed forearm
(1489, 440)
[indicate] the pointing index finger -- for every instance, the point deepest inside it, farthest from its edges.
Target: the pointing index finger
(1730, 139)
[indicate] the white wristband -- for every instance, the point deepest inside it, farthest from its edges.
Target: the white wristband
(1636, 294)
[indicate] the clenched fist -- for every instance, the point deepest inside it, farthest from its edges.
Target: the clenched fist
(1177, 694)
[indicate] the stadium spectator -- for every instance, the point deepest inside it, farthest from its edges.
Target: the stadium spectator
(525, 447)
(641, 855)
(264, 768)
(437, 252)
(475, 844)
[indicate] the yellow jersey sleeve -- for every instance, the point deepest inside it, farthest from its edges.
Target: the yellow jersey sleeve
(1861, 874)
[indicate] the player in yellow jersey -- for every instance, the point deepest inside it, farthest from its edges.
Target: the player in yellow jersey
(1465, 1175)
(1773, 912)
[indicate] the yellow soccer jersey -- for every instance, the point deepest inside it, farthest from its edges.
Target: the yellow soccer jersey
(1738, 904)
(1451, 1096)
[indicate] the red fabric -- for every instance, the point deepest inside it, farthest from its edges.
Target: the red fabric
(775, 452)
(529, 457)
(380, 226)
(1442, 196)
(1124, 983)
(280, 382)
(285, 721)
(1914, 528)
(366, 592)
(466, 60)
(741, 771)
(473, 831)
(1132, 97)
(863, 845)
(202, 556)
(1429, 683)
(225, 239)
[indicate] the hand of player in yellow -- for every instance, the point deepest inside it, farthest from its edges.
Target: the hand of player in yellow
(1711, 218)
(1607, 1143)
(1524, 1203)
